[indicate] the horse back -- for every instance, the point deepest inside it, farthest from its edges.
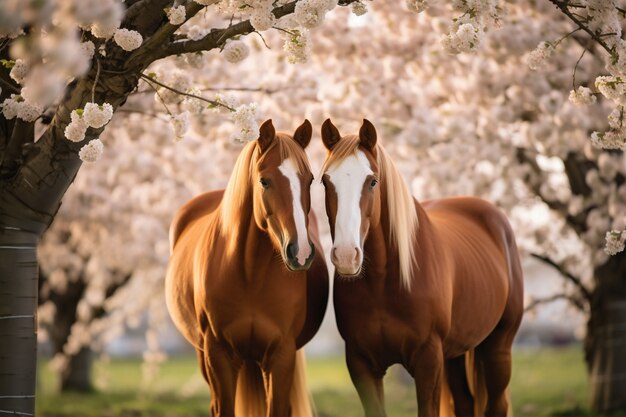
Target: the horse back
(486, 266)
(191, 211)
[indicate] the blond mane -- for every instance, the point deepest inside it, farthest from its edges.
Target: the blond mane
(403, 222)
(239, 186)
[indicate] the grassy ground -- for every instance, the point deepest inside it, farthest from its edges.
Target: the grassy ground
(549, 382)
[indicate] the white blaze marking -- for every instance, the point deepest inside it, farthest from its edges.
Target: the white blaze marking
(288, 169)
(348, 178)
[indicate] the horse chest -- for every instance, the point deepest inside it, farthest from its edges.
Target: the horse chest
(380, 325)
(257, 310)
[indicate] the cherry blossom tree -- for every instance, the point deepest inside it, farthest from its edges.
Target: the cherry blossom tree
(473, 96)
(66, 68)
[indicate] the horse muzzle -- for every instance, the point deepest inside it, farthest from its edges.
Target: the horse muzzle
(290, 254)
(347, 260)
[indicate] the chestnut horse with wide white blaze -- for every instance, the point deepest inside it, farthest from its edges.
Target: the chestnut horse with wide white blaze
(436, 287)
(244, 285)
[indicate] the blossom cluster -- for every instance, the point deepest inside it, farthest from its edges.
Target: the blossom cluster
(17, 106)
(582, 96)
(538, 58)
(176, 15)
(615, 241)
(93, 115)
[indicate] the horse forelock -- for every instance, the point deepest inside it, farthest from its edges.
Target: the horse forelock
(403, 221)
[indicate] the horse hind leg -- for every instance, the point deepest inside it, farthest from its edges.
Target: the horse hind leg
(492, 362)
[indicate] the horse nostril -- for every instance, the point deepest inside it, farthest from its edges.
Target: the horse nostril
(333, 254)
(357, 252)
(292, 251)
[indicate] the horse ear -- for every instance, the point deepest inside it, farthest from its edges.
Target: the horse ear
(330, 134)
(303, 133)
(367, 135)
(267, 133)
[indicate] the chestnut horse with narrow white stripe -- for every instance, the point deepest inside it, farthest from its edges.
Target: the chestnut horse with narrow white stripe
(244, 285)
(436, 287)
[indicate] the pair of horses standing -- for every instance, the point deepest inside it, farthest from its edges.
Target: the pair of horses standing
(436, 287)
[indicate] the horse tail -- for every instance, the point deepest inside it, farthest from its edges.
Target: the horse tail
(446, 403)
(476, 381)
(301, 404)
(250, 399)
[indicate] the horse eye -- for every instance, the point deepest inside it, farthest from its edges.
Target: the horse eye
(264, 183)
(373, 183)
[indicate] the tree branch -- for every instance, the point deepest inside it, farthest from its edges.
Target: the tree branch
(160, 38)
(574, 280)
(562, 5)
(182, 93)
(546, 300)
(218, 37)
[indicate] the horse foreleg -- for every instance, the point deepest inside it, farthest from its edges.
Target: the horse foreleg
(427, 369)
(369, 385)
(222, 369)
(457, 381)
(279, 369)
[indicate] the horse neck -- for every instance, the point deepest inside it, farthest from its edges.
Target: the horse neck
(381, 252)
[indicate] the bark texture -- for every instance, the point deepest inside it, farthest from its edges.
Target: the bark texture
(605, 344)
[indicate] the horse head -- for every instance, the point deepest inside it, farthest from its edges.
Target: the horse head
(353, 201)
(281, 181)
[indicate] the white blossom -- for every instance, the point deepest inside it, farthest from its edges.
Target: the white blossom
(538, 58)
(262, 19)
(180, 124)
(297, 46)
(128, 40)
(192, 104)
(613, 88)
(235, 51)
(196, 32)
(29, 112)
(417, 6)
(616, 118)
(195, 60)
(227, 100)
(612, 139)
(582, 96)
(19, 71)
(88, 48)
(97, 115)
(465, 38)
(359, 8)
(310, 13)
(10, 106)
(92, 151)
(176, 15)
(245, 119)
(76, 129)
(615, 241)
(105, 30)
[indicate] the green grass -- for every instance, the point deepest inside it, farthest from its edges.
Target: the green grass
(547, 382)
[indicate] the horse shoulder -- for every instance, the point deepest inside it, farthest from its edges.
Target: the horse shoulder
(195, 208)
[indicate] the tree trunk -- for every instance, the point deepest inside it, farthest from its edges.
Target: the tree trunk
(605, 344)
(77, 375)
(18, 324)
